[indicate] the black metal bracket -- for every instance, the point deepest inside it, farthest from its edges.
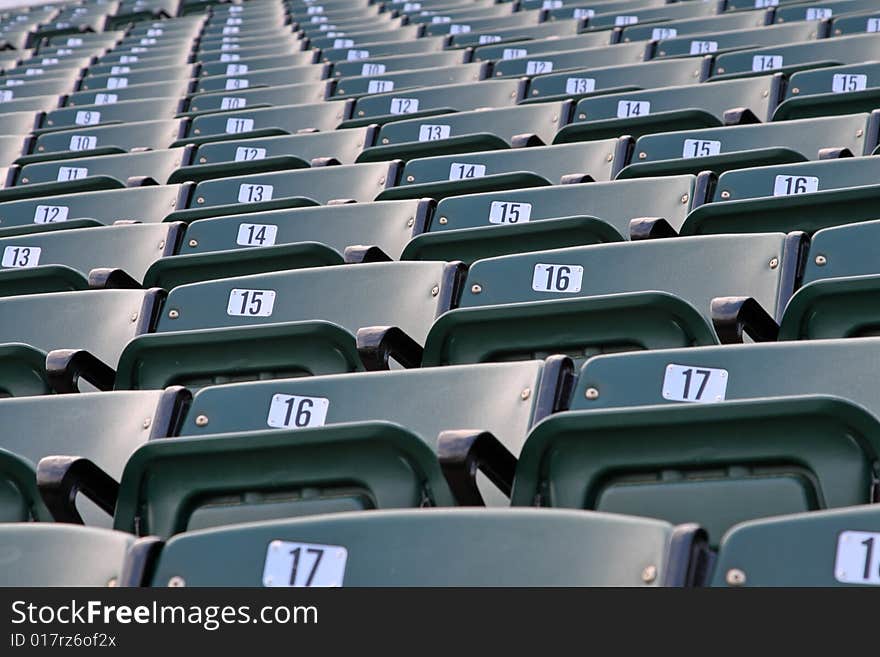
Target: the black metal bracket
(141, 181)
(576, 179)
(65, 367)
(324, 162)
(650, 228)
(61, 478)
(733, 316)
(104, 278)
(834, 153)
(739, 116)
(360, 253)
(377, 344)
(463, 453)
(140, 560)
(526, 140)
(689, 558)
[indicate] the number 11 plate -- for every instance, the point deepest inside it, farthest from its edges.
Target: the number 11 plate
(304, 564)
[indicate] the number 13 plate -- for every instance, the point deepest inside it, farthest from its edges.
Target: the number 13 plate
(304, 564)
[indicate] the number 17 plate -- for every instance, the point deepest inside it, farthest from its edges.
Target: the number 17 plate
(304, 564)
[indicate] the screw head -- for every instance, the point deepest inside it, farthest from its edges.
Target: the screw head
(200, 200)
(821, 260)
(525, 394)
(476, 289)
(435, 290)
(133, 317)
(410, 222)
(609, 157)
(643, 155)
(649, 574)
(795, 90)
(735, 577)
(112, 583)
(410, 178)
(774, 263)
(721, 69)
(176, 582)
(203, 160)
(201, 420)
(765, 93)
(582, 116)
(173, 314)
(443, 220)
(859, 132)
(146, 423)
(725, 194)
(591, 393)
(684, 198)
(385, 140)
(197, 131)
(193, 243)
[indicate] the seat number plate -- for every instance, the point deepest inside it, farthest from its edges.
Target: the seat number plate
(250, 303)
(858, 558)
(292, 412)
(557, 278)
(304, 564)
(694, 384)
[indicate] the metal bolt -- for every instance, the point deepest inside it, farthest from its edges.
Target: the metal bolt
(197, 131)
(201, 420)
(684, 198)
(774, 263)
(200, 200)
(173, 314)
(176, 582)
(725, 194)
(582, 116)
(193, 243)
(435, 290)
(696, 73)
(643, 155)
(443, 220)
(765, 93)
(821, 260)
(112, 583)
(410, 222)
(795, 90)
(133, 317)
(534, 92)
(735, 577)
(162, 244)
(385, 140)
(203, 160)
(361, 113)
(525, 394)
(382, 180)
(41, 148)
(609, 157)
(410, 178)
(554, 119)
(146, 424)
(649, 574)
(721, 69)
(24, 180)
(476, 289)
(591, 393)
(859, 132)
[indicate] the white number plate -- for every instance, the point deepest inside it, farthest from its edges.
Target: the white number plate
(536, 68)
(87, 118)
(373, 69)
(844, 82)
(230, 102)
(226, 57)
(343, 43)
(557, 278)
(256, 234)
(461, 170)
(117, 83)
(873, 25)
(71, 173)
(234, 126)
(354, 55)
(513, 53)
(106, 99)
(82, 142)
(504, 212)
(625, 20)
(249, 193)
(6, 95)
(694, 384)
(246, 153)
(431, 132)
(118, 70)
(659, 33)
(819, 13)
(21, 256)
(630, 108)
(250, 303)
(404, 105)
(50, 214)
(788, 185)
(699, 47)
(580, 85)
(236, 83)
(858, 558)
(236, 69)
(304, 564)
(489, 38)
(292, 412)
(378, 86)
(459, 29)
(700, 148)
(766, 62)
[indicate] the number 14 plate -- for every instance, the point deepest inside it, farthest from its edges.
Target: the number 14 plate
(304, 564)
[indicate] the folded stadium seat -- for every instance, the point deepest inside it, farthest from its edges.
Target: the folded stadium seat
(242, 51)
(561, 9)
(37, 87)
(138, 76)
(742, 146)
(121, 112)
(741, 5)
(473, 24)
(92, 173)
(148, 204)
(709, 42)
(466, 132)
(243, 156)
(359, 36)
(454, 15)
(303, 321)
(798, 56)
(534, 47)
(131, 65)
(866, 22)
(245, 65)
(290, 239)
(716, 464)
(361, 85)
(284, 189)
(466, 173)
(829, 91)
(656, 24)
(103, 428)
(839, 284)
(557, 60)
(429, 101)
(47, 67)
(360, 29)
(388, 64)
(263, 78)
(804, 196)
(486, 35)
(822, 548)
(437, 547)
(164, 89)
(290, 94)
(76, 259)
(690, 107)
(480, 226)
(350, 455)
(386, 49)
(645, 298)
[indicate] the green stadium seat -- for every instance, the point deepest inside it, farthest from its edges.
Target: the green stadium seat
(49, 554)
(821, 548)
(289, 323)
(167, 89)
(357, 37)
(839, 283)
(709, 42)
(455, 15)
(454, 175)
(472, 24)
(688, 107)
(120, 112)
(131, 63)
(477, 226)
(61, 260)
(243, 51)
(149, 204)
(658, 23)
(590, 9)
(292, 94)
(487, 35)
(385, 49)
(246, 65)
(37, 87)
(139, 76)
(558, 60)
(465, 132)
(266, 77)
(797, 56)
(289, 239)
(742, 146)
(534, 47)
(866, 22)
(440, 547)
(119, 138)
(742, 5)
(282, 119)
(804, 196)
(103, 428)
(360, 85)
(379, 65)
(829, 91)
(645, 298)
